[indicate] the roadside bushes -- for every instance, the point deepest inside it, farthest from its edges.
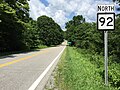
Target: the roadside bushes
(76, 72)
(86, 36)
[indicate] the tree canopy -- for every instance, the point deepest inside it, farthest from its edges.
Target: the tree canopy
(49, 32)
(19, 32)
(14, 17)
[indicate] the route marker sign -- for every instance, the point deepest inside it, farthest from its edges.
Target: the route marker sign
(105, 17)
(106, 22)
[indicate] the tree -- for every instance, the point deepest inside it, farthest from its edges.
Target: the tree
(49, 32)
(14, 16)
(31, 35)
(21, 7)
(70, 26)
(84, 35)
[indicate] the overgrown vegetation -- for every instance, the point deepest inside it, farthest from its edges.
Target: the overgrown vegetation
(20, 32)
(84, 35)
(77, 71)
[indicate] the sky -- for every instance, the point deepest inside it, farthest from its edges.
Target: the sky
(63, 10)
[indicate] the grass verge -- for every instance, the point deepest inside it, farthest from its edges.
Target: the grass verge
(76, 72)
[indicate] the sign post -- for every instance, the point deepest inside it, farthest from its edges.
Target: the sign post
(106, 56)
(106, 22)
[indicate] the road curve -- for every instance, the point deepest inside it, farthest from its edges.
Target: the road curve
(28, 71)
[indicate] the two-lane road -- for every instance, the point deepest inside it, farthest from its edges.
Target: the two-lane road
(27, 71)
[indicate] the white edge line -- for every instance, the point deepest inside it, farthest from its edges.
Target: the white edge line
(35, 84)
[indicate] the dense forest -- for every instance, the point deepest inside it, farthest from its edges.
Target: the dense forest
(20, 32)
(85, 35)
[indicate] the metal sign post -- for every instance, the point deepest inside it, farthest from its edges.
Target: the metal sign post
(106, 56)
(106, 22)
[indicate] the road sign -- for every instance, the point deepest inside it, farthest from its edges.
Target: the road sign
(106, 22)
(106, 8)
(106, 17)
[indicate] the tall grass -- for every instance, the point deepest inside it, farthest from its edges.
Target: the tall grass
(76, 72)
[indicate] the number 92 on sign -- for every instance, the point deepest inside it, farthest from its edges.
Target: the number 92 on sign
(105, 21)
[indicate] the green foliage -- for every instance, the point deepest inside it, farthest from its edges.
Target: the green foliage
(17, 30)
(77, 20)
(31, 38)
(76, 72)
(86, 36)
(49, 32)
(114, 42)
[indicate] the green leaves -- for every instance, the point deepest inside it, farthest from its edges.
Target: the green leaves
(18, 31)
(86, 36)
(76, 72)
(49, 31)
(13, 26)
(4, 7)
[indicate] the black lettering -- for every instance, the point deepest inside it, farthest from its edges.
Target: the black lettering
(99, 8)
(106, 8)
(110, 20)
(112, 8)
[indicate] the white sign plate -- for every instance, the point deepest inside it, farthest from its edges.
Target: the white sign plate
(105, 21)
(105, 17)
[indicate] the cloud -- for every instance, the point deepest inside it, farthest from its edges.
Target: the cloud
(60, 17)
(63, 10)
(36, 8)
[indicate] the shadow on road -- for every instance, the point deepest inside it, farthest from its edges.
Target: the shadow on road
(12, 54)
(7, 56)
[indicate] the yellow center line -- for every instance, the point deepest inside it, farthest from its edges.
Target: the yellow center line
(21, 59)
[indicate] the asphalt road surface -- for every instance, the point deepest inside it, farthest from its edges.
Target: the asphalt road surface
(28, 71)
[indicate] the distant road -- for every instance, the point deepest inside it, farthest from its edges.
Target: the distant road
(28, 71)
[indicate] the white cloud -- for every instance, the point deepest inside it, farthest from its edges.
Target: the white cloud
(60, 10)
(36, 8)
(60, 17)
